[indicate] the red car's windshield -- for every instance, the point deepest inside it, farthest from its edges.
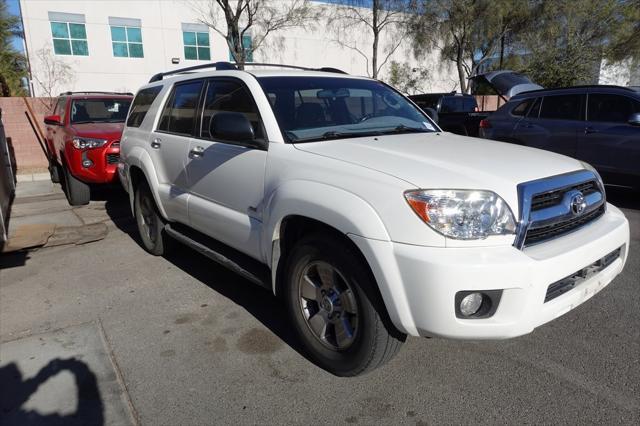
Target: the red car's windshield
(99, 110)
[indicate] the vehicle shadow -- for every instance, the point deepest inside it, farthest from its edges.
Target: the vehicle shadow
(256, 300)
(16, 391)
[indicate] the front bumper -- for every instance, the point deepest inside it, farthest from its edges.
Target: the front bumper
(104, 163)
(419, 284)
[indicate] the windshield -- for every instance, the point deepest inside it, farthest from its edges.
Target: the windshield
(99, 110)
(322, 108)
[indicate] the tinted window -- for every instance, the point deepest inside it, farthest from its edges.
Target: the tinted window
(521, 108)
(611, 108)
(562, 107)
(458, 104)
(99, 110)
(229, 96)
(534, 112)
(141, 105)
(179, 115)
(426, 101)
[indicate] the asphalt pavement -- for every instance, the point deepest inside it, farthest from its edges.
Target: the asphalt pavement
(184, 341)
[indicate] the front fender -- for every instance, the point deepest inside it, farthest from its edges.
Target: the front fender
(350, 215)
(139, 158)
(333, 206)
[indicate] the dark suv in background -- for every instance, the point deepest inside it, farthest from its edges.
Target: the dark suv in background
(596, 124)
(454, 112)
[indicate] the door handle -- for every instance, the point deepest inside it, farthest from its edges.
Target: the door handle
(196, 152)
(588, 130)
(156, 143)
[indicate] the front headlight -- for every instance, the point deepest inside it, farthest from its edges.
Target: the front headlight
(88, 143)
(463, 214)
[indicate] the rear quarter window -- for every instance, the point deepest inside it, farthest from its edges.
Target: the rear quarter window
(521, 108)
(141, 105)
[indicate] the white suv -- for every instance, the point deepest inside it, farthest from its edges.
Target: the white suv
(346, 200)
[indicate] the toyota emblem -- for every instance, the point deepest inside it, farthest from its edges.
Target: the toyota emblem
(578, 204)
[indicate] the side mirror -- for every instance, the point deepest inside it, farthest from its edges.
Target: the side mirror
(432, 114)
(233, 127)
(634, 119)
(53, 119)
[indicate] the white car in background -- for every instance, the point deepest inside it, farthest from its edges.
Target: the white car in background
(345, 199)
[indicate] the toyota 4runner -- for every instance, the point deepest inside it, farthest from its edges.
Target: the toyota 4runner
(83, 140)
(342, 197)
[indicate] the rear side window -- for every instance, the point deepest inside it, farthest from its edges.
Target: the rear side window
(611, 108)
(179, 114)
(521, 109)
(562, 107)
(229, 96)
(141, 105)
(458, 104)
(534, 112)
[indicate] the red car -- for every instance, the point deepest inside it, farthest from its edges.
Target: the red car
(83, 136)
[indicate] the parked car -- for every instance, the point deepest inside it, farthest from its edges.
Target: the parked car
(83, 137)
(342, 197)
(454, 112)
(597, 124)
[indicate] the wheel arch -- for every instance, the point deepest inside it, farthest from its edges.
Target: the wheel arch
(140, 167)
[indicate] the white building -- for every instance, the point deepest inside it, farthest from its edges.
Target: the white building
(117, 45)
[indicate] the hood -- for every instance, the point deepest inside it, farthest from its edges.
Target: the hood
(506, 83)
(448, 161)
(99, 130)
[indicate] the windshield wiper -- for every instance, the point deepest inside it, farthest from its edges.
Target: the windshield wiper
(337, 135)
(406, 129)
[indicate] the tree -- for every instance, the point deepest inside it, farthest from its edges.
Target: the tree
(352, 18)
(625, 41)
(257, 19)
(12, 62)
(468, 33)
(569, 40)
(53, 75)
(406, 79)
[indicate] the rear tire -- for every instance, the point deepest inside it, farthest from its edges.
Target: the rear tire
(150, 222)
(336, 308)
(78, 193)
(54, 171)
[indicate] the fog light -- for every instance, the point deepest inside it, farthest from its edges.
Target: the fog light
(471, 304)
(87, 163)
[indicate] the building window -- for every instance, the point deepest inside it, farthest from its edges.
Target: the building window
(127, 42)
(69, 38)
(247, 45)
(196, 45)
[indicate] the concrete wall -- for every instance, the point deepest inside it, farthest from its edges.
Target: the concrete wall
(313, 46)
(23, 145)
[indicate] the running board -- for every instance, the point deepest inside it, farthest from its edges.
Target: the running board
(226, 256)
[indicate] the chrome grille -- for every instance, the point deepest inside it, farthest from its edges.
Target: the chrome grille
(113, 158)
(557, 205)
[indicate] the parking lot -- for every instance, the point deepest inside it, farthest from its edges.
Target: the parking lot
(180, 340)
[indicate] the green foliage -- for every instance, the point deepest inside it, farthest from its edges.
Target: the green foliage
(12, 63)
(406, 79)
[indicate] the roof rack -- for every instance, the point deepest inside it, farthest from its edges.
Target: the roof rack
(232, 66)
(583, 86)
(96, 93)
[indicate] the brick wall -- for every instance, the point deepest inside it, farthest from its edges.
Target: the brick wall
(23, 144)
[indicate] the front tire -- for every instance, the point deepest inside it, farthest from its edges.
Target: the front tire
(78, 193)
(336, 309)
(150, 222)
(54, 171)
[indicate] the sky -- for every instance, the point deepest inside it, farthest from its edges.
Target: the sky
(14, 9)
